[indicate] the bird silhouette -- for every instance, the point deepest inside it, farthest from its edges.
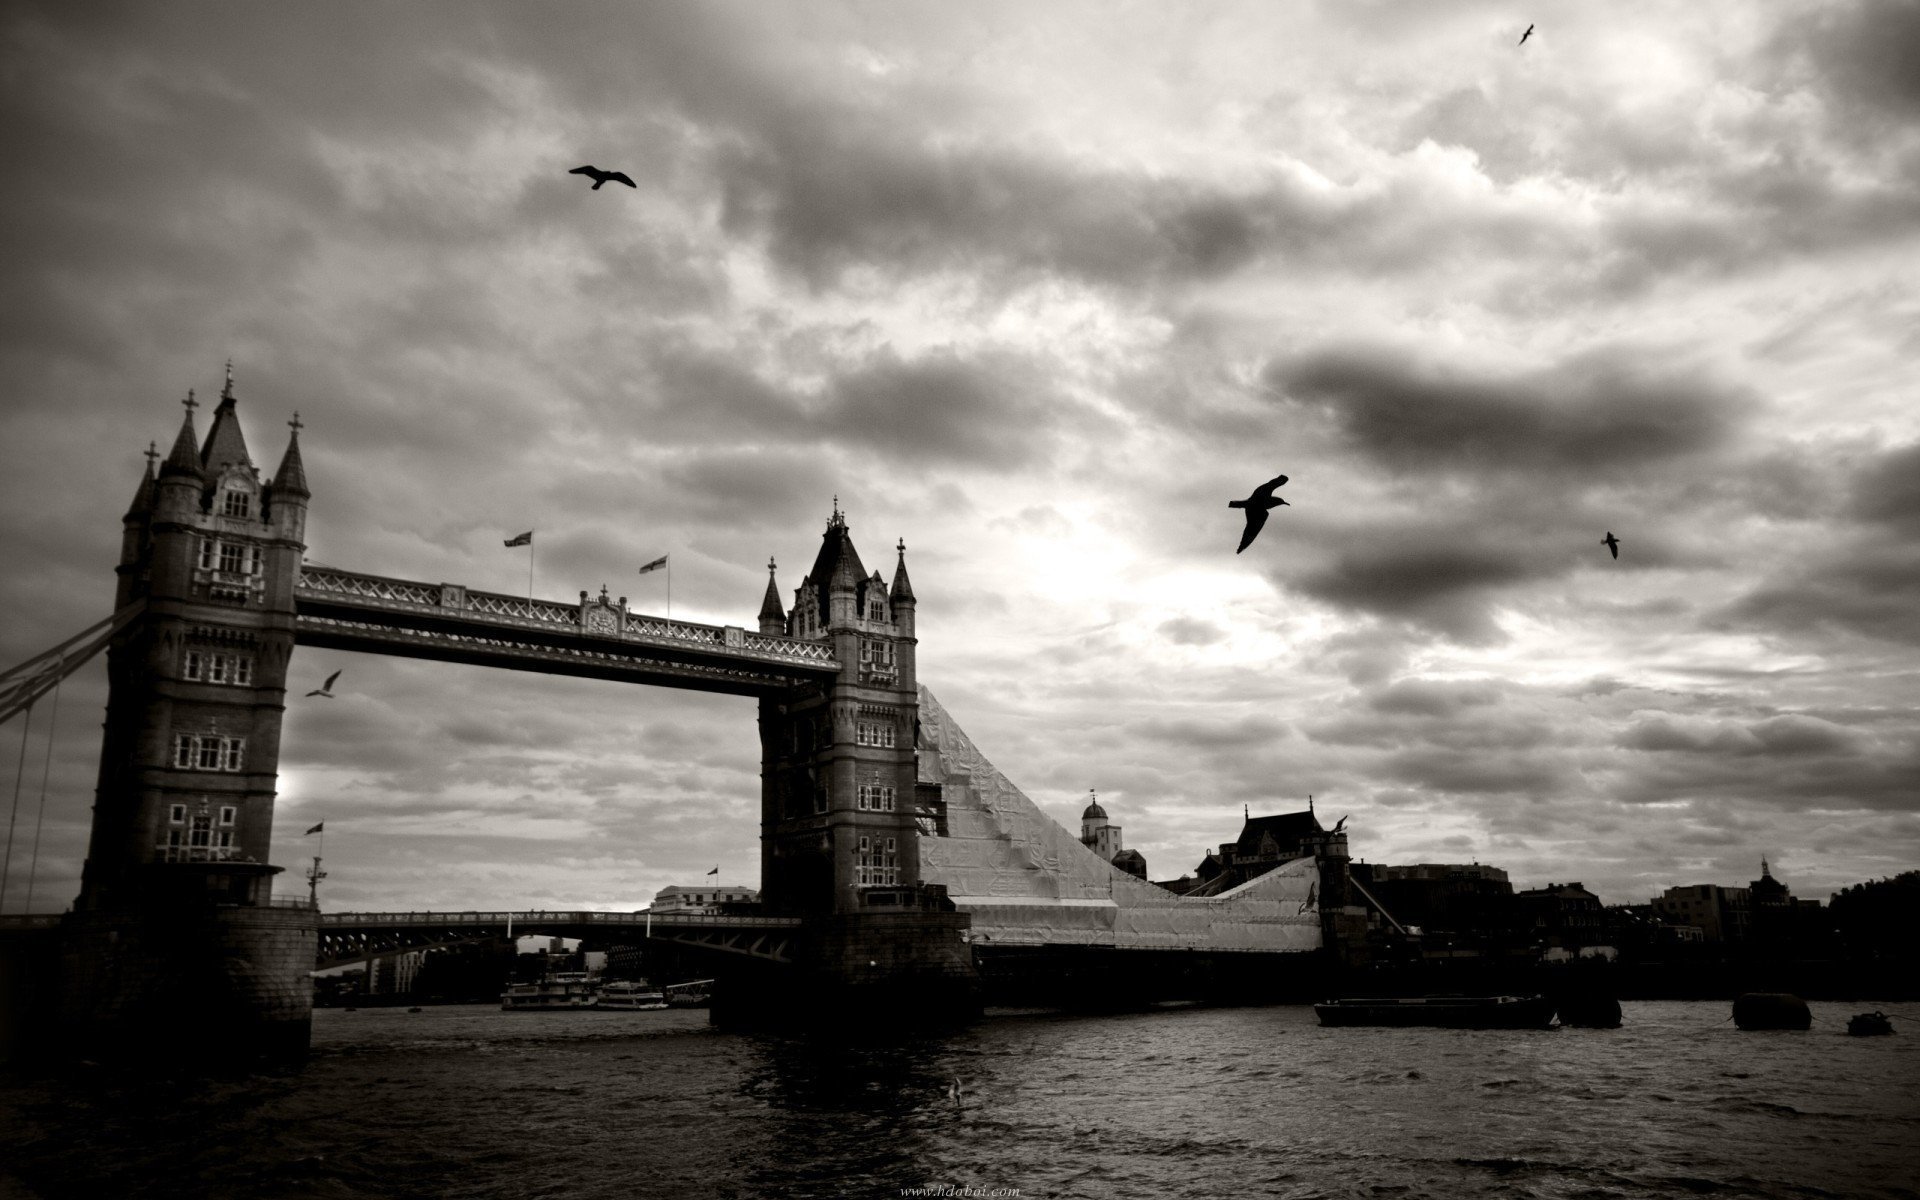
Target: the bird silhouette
(326, 689)
(1257, 505)
(599, 177)
(1525, 36)
(1340, 824)
(1612, 543)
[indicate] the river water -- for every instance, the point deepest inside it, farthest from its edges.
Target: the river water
(1202, 1102)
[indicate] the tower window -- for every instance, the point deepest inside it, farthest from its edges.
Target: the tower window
(232, 557)
(206, 553)
(236, 504)
(235, 669)
(227, 812)
(176, 814)
(209, 753)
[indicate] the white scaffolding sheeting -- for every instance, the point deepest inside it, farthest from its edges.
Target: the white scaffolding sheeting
(1027, 881)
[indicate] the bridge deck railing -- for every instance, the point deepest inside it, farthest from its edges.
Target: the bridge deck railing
(641, 919)
(493, 608)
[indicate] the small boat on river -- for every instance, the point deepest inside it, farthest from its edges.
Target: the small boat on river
(1869, 1024)
(1454, 1012)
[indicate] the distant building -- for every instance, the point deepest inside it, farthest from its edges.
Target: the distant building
(1781, 921)
(1444, 896)
(1722, 914)
(394, 974)
(695, 900)
(1102, 836)
(1266, 842)
(1563, 914)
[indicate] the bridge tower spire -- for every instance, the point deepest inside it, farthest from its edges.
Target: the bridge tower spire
(176, 888)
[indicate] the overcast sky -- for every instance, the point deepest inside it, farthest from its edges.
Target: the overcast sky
(1037, 288)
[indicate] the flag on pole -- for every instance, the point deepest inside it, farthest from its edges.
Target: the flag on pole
(715, 871)
(525, 539)
(316, 828)
(655, 565)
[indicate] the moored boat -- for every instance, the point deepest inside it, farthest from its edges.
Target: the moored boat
(630, 994)
(560, 989)
(1869, 1024)
(1771, 1010)
(1456, 1012)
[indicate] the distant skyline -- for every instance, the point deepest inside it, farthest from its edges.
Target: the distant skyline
(1037, 289)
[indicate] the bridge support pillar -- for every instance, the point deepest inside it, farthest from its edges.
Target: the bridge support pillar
(184, 981)
(869, 970)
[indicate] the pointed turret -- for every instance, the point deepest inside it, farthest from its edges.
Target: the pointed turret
(291, 478)
(143, 497)
(773, 618)
(184, 458)
(902, 592)
(837, 572)
(224, 443)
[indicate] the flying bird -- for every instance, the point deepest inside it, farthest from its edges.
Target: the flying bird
(599, 177)
(1612, 543)
(1257, 506)
(326, 689)
(1340, 824)
(1525, 36)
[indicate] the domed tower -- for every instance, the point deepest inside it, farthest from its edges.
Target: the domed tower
(1097, 833)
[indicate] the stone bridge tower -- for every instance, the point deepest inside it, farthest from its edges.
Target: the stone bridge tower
(175, 928)
(839, 835)
(837, 786)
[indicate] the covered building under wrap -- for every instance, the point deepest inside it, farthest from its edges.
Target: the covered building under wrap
(1027, 881)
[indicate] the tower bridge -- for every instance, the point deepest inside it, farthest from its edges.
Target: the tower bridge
(895, 859)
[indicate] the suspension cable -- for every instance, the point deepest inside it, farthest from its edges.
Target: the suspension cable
(6, 864)
(46, 770)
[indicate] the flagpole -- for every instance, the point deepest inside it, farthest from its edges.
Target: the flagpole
(669, 587)
(529, 570)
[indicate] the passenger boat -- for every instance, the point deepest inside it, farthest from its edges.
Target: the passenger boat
(630, 994)
(1458, 1012)
(560, 989)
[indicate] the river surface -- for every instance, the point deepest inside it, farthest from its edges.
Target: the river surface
(1203, 1102)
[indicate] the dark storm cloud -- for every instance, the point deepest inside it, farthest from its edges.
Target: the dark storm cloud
(1782, 735)
(1865, 52)
(984, 410)
(1863, 577)
(1428, 574)
(1433, 697)
(1888, 490)
(1585, 419)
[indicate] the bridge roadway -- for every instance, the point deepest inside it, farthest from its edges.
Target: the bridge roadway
(355, 937)
(596, 638)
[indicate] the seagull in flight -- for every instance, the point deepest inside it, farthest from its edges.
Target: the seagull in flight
(599, 177)
(1257, 505)
(1526, 35)
(326, 689)
(1612, 543)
